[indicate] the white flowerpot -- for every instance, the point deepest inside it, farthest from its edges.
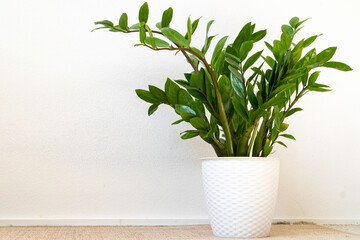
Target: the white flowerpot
(241, 194)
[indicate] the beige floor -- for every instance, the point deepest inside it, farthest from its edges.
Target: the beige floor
(297, 231)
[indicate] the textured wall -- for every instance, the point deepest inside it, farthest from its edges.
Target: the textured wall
(76, 142)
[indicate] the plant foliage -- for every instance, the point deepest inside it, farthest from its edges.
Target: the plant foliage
(236, 105)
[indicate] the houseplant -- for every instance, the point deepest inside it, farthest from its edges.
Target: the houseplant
(238, 102)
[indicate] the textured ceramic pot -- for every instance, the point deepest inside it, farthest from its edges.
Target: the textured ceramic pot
(241, 195)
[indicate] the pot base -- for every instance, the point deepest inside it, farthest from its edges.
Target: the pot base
(241, 195)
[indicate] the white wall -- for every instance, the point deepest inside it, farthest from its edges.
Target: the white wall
(76, 142)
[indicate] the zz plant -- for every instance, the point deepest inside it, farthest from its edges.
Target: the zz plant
(238, 108)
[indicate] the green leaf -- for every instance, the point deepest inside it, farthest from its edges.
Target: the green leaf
(236, 82)
(292, 111)
(197, 80)
(252, 98)
(270, 61)
(245, 49)
(152, 109)
(172, 91)
(151, 38)
(239, 108)
(283, 127)
(180, 109)
(142, 35)
(268, 45)
(278, 50)
(184, 98)
(277, 100)
(174, 36)
(166, 17)
(225, 88)
(158, 93)
(287, 29)
(281, 143)
(288, 136)
(208, 26)
(318, 89)
(282, 88)
(286, 40)
(258, 36)
(251, 60)
(337, 65)
(158, 42)
(294, 21)
(136, 26)
(123, 22)
(326, 55)
(177, 122)
(146, 96)
(299, 23)
(144, 13)
(189, 134)
(267, 148)
(219, 64)
(198, 123)
(313, 77)
(309, 41)
(105, 23)
(189, 30)
(193, 27)
(218, 49)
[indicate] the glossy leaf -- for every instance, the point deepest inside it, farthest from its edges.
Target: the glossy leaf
(337, 65)
(287, 29)
(166, 17)
(142, 35)
(105, 23)
(299, 23)
(152, 109)
(292, 111)
(245, 49)
(258, 36)
(172, 91)
(189, 134)
(174, 36)
(236, 82)
(267, 148)
(177, 122)
(218, 49)
(184, 109)
(294, 21)
(144, 13)
(251, 60)
(309, 41)
(326, 54)
(313, 77)
(136, 26)
(146, 96)
(123, 22)
(239, 108)
(289, 136)
(281, 143)
(198, 123)
(158, 42)
(158, 93)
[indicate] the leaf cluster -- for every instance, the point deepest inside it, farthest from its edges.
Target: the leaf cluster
(240, 100)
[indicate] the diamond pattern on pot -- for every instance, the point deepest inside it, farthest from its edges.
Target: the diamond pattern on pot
(241, 195)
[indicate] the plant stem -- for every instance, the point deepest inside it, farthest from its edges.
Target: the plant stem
(297, 97)
(160, 33)
(252, 137)
(244, 84)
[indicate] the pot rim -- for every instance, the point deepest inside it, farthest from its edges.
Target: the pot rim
(240, 158)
